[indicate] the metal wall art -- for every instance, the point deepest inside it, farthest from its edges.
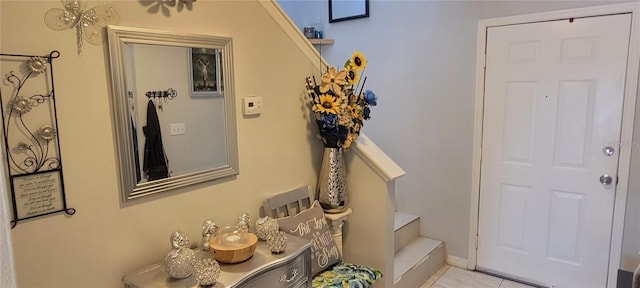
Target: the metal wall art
(88, 23)
(160, 97)
(31, 144)
(169, 93)
(156, 6)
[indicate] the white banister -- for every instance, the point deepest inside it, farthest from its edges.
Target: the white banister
(377, 159)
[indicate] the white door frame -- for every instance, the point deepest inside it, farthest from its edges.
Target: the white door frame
(628, 113)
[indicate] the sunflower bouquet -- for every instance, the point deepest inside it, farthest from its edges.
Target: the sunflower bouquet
(339, 104)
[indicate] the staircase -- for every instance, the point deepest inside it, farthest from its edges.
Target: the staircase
(416, 257)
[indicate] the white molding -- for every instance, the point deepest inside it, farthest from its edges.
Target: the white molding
(457, 262)
(626, 138)
(562, 14)
(628, 114)
(477, 147)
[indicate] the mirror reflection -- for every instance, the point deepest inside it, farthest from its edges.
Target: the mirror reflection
(174, 109)
(194, 125)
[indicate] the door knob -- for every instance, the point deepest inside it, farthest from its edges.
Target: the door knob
(608, 151)
(606, 179)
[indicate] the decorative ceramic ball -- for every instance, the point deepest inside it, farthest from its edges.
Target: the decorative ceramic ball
(265, 226)
(277, 241)
(207, 271)
(180, 261)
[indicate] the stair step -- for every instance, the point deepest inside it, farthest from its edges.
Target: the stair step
(407, 228)
(402, 219)
(417, 261)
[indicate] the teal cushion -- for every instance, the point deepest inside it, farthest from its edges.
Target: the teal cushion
(347, 275)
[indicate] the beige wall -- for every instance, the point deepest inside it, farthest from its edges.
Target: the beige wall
(106, 239)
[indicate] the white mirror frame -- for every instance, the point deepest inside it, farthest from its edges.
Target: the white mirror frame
(119, 37)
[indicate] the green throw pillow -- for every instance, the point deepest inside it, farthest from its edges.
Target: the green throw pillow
(347, 275)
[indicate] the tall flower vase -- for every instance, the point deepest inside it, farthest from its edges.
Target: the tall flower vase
(333, 194)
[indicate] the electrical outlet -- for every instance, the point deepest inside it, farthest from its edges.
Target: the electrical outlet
(177, 129)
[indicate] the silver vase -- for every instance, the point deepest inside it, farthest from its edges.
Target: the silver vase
(333, 194)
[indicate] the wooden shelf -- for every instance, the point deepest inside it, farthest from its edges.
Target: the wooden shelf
(323, 41)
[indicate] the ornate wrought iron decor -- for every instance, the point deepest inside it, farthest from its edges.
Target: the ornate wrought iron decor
(34, 165)
(169, 94)
(87, 22)
(163, 6)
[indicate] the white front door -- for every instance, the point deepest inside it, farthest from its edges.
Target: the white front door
(553, 102)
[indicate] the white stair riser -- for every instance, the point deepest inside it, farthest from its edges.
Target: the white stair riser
(423, 270)
(405, 234)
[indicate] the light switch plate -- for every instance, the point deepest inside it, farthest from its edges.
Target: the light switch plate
(178, 129)
(252, 105)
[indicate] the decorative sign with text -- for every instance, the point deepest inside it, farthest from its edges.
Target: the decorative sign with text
(38, 194)
(323, 245)
(311, 224)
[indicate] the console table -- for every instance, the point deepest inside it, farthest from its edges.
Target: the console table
(292, 268)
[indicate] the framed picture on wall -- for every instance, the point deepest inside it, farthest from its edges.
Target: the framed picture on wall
(342, 10)
(205, 72)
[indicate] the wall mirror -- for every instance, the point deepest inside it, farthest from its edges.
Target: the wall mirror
(173, 108)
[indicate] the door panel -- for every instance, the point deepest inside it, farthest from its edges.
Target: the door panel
(518, 131)
(553, 100)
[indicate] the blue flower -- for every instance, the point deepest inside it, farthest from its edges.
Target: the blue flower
(329, 120)
(370, 98)
(367, 113)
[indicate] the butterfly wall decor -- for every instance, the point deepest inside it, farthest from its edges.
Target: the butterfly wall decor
(88, 23)
(163, 6)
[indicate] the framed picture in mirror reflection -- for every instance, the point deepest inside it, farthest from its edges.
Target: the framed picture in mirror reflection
(205, 72)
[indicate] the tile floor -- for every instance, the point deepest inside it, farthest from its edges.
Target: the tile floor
(453, 277)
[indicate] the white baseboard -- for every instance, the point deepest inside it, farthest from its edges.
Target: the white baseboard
(457, 262)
